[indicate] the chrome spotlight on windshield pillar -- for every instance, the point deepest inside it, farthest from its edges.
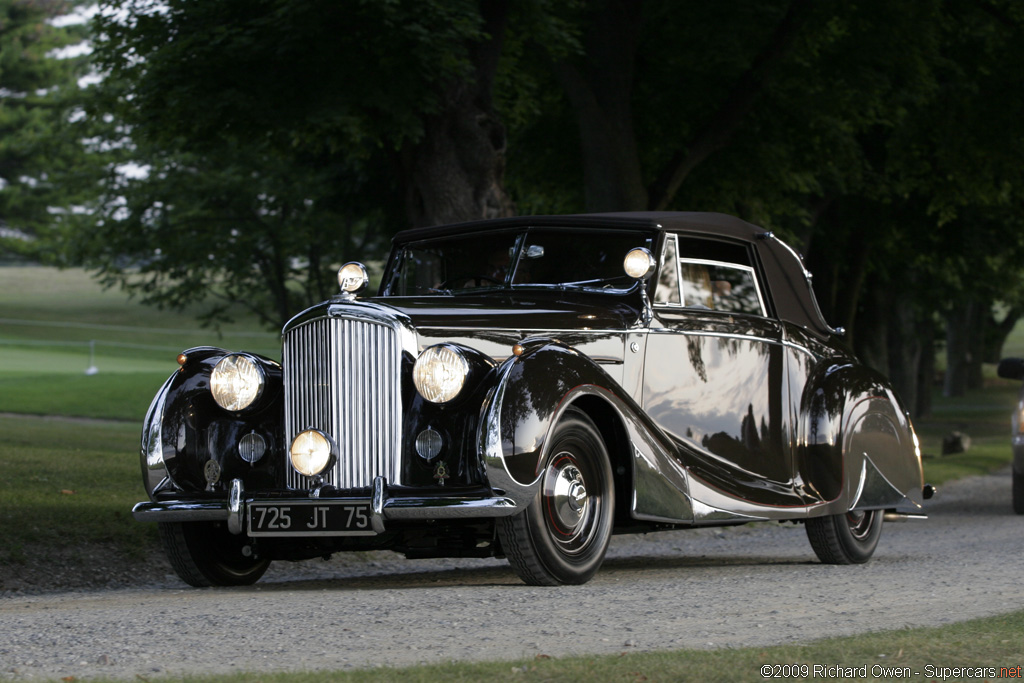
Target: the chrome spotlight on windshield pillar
(639, 264)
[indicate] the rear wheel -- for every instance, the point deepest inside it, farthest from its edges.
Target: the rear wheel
(561, 538)
(849, 538)
(207, 554)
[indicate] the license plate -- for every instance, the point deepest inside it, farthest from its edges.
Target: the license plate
(310, 518)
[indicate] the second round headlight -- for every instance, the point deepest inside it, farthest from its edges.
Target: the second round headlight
(236, 382)
(439, 373)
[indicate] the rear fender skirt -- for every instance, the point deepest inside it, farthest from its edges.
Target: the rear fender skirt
(879, 465)
(882, 459)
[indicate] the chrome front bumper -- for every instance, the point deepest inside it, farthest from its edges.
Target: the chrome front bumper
(383, 508)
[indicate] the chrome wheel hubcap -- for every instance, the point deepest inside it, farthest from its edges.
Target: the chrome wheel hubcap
(568, 495)
(860, 523)
(568, 507)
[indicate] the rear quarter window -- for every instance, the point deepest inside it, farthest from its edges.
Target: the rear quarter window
(708, 275)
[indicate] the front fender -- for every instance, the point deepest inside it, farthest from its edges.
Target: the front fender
(185, 428)
(532, 391)
(521, 411)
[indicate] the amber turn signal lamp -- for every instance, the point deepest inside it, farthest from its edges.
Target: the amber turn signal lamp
(182, 359)
(518, 349)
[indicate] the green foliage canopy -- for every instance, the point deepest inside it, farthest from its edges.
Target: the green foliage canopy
(881, 137)
(38, 138)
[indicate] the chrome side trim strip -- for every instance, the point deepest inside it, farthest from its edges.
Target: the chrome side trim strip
(181, 511)
(453, 507)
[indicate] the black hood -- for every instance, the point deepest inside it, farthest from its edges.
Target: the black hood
(520, 310)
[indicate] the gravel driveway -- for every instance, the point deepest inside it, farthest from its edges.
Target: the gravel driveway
(734, 587)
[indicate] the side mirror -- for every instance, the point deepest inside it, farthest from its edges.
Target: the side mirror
(1011, 368)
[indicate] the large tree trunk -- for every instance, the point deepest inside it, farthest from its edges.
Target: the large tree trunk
(908, 345)
(998, 331)
(926, 369)
(963, 348)
(457, 173)
(871, 343)
(898, 339)
(600, 91)
(722, 126)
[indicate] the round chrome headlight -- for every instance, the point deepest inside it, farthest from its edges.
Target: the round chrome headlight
(439, 373)
(236, 382)
(311, 452)
(352, 278)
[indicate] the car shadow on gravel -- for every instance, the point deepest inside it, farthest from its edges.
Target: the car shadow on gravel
(613, 570)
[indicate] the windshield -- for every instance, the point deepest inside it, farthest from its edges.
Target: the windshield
(538, 257)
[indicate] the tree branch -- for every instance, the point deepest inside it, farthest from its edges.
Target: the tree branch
(726, 121)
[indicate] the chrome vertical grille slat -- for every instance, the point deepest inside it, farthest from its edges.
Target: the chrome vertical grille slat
(341, 377)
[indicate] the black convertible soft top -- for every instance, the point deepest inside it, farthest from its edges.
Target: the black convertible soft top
(788, 280)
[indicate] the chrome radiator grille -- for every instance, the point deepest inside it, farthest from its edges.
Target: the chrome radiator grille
(341, 376)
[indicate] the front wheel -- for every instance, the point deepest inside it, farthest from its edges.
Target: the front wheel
(206, 554)
(849, 538)
(561, 538)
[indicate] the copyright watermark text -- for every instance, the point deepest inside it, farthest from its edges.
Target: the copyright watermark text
(881, 671)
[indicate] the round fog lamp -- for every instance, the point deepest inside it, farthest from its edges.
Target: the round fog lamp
(251, 447)
(428, 444)
(236, 382)
(311, 452)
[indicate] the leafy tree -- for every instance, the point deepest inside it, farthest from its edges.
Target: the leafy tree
(280, 137)
(882, 138)
(37, 138)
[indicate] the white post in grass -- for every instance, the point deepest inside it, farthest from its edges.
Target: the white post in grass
(92, 369)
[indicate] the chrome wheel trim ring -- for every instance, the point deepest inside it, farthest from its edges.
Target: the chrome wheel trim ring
(569, 511)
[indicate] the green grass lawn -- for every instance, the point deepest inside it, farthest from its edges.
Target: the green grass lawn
(56, 324)
(984, 415)
(63, 321)
(62, 480)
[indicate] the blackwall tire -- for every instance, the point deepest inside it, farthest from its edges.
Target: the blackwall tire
(205, 554)
(850, 538)
(562, 537)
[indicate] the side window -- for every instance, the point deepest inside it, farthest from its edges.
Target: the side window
(709, 275)
(667, 291)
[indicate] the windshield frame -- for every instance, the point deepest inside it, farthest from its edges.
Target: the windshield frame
(617, 284)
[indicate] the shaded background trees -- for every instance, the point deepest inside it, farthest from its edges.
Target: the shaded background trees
(39, 138)
(272, 140)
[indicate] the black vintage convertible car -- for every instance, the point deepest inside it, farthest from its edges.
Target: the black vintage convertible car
(525, 388)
